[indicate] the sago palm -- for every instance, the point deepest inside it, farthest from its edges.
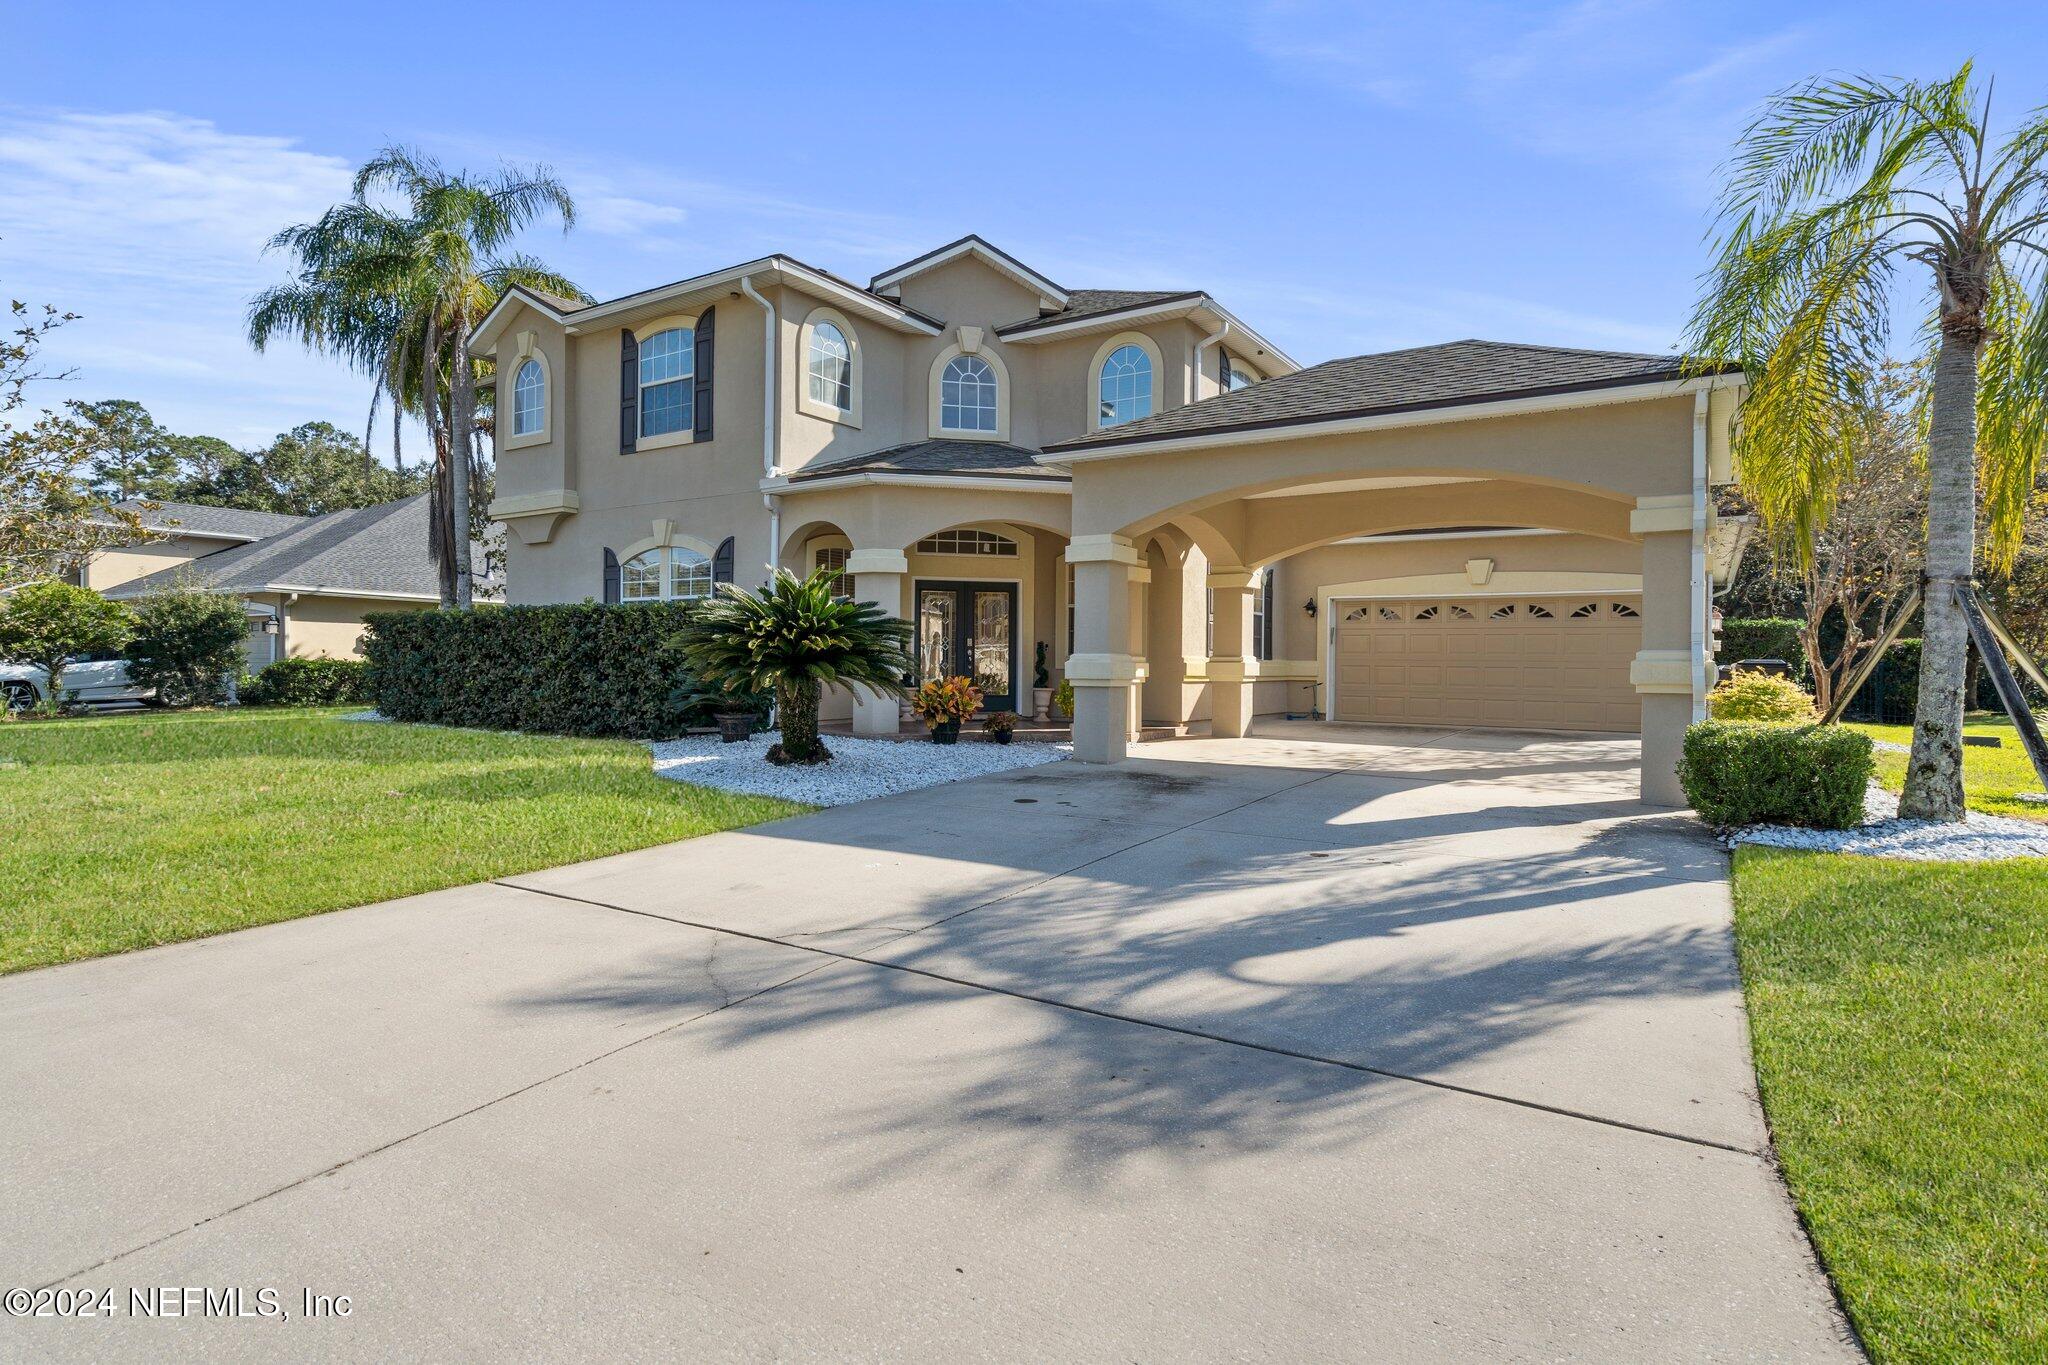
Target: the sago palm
(397, 289)
(1835, 187)
(794, 636)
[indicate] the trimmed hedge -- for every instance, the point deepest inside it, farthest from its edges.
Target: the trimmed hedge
(308, 682)
(1736, 773)
(580, 669)
(1771, 637)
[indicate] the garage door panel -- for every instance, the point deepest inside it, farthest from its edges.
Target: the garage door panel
(1559, 664)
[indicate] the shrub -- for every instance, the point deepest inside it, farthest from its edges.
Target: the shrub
(1748, 694)
(580, 669)
(1740, 773)
(309, 682)
(49, 622)
(1770, 637)
(186, 644)
(1063, 699)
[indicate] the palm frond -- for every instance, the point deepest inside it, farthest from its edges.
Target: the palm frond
(2012, 409)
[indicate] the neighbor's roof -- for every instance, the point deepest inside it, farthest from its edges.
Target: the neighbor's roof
(224, 523)
(380, 551)
(1453, 374)
(976, 459)
(1088, 303)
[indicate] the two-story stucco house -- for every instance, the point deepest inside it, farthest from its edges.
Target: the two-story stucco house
(1188, 524)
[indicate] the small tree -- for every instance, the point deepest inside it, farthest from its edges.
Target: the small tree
(795, 637)
(186, 644)
(49, 623)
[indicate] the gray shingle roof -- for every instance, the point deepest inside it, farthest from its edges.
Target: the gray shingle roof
(194, 519)
(1086, 303)
(381, 549)
(994, 459)
(1449, 375)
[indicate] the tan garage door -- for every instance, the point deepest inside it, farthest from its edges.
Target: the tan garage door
(1509, 663)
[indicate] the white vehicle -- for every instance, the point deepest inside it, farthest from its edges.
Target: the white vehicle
(93, 679)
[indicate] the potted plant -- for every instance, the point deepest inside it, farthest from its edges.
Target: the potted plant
(1063, 699)
(1001, 726)
(794, 636)
(943, 703)
(1041, 686)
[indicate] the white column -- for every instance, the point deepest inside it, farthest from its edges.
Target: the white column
(1102, 669)
(1232, 663)
(879, 576)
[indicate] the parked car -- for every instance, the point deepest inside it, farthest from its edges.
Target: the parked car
(94, 679)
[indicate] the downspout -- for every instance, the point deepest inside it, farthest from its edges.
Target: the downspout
(769, 467)
(1195, 380)
(1701, 402)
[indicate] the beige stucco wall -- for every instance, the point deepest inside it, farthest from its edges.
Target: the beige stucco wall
(322, 627)
(124, 564)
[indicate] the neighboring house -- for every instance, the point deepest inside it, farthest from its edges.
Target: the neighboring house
(308, 587)
(1193, 526)
(188, 530)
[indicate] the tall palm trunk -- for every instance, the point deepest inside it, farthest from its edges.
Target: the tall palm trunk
(430, 402)
(462, 405)
(1934, 774)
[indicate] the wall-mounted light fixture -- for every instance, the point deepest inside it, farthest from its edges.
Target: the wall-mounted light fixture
(1309, 606)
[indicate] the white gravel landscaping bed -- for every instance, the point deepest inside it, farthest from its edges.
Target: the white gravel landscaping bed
(860, 768)
(1980, 838)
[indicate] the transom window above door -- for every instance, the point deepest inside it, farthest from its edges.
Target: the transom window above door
(967, 395)
(668, 373)
(1124, 386)
(665, 575)
(967, 542)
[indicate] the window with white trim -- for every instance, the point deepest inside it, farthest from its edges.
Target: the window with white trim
(967, 395)
(529, 398)
(830, 367)
(1235, 378)
(967, 542)
(1124, 386)
(668, 381)
(673, 574)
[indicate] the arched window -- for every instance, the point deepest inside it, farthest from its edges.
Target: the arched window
(665, 575)
(830, 367)
(967, 395)
(1124, 387)
(1236, 377)
(529, 398)
(668, 387)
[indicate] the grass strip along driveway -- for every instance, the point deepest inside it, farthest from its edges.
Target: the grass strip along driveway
(129, 831)
(1898, 1012)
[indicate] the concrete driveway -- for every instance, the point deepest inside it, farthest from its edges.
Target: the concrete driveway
(1327, 1043)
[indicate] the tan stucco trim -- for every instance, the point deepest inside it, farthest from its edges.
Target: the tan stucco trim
(1663, 670)
(1102, 670)
(664, 536)
(1102, 550)
(529, 350)
(1506, 583)
(1672, 512)
(866, 561)
(536, 515)
(971, 342)
(1091, 414)
(802, 369)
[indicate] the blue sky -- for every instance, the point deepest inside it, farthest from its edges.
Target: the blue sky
(1346, 177)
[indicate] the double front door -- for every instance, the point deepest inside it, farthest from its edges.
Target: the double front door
(969, 629)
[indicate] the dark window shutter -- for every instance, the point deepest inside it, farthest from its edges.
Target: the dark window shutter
(1266, 615)
(629, 397)
(1222, 370)
(706, 353)
(611, 577)
(721, 563)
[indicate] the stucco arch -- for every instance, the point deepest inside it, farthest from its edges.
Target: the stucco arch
(1274, 528)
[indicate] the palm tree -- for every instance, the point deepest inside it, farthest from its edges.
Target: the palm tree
(1837, 184)
(397, 291)
(794, 636)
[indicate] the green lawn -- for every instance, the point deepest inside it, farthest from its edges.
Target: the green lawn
(127, 831)
(1900, 1018)
(1993, 779)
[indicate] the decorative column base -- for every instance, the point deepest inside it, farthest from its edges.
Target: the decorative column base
(1230, 697)
(1103, 685)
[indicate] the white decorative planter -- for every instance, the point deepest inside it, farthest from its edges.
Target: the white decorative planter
(1041, 703)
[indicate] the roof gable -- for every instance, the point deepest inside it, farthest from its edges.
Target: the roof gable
(1051, 296)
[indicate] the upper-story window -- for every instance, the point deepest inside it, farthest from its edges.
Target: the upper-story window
(665, 575)
(668, 373)
(967, 395)
(831, 367)
(1236, 377)
(529, 398)
(1124, 386)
